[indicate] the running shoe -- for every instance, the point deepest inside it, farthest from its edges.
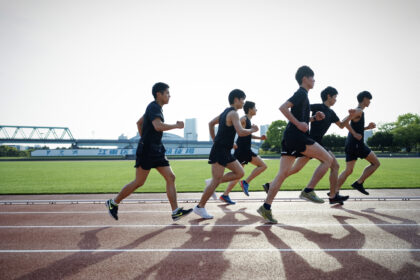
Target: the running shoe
(338, 199)
(266, 187)
(112, 209)
(181, 213)
(202, 213)
(245, 187)
(359, 187)
(226, 198)
(311, 196)
(266, 214)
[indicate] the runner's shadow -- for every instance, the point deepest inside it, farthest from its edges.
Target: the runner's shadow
(203, 264)
(79, 261)
(409, 234)
(353, 264)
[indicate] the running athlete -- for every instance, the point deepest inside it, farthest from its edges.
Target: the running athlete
(296, 143)
(245, 155)
(356, 148)
(151, 153)
(220, 154)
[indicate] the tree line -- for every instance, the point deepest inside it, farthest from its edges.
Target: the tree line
(403, 135)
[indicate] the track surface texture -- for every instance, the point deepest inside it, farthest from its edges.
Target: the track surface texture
(364, 239)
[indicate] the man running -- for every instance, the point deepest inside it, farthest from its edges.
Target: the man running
(355, 146)
(151, 153)
(245, 155)
(220, 155)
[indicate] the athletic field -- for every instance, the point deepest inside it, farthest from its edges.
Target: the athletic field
(47, 177)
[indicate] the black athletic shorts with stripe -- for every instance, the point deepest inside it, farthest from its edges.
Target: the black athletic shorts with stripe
(244, 157)
(150, 156)
(294, 143)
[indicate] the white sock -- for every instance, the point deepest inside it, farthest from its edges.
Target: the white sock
(113, 202)
(176, 210)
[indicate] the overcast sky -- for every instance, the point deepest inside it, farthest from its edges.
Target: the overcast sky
(90, 65)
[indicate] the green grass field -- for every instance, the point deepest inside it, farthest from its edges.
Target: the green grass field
(41, 177)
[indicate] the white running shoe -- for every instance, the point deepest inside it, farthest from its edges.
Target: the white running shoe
(202, 213)
(208, 182)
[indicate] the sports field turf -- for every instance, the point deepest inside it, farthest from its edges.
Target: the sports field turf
(110, 176)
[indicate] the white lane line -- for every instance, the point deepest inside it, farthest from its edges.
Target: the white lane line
(193, 200)
(209, 225)
(393, 250)
(215, 211)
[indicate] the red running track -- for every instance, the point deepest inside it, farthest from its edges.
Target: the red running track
(362, 240)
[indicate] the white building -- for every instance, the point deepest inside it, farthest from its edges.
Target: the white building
(368, 134)
(264, 129)
(190, 129)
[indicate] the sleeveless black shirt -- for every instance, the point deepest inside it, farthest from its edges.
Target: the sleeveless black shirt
(359, 127)
(225, 134)
(244, 143)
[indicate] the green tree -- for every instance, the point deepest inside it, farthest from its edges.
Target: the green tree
(334, 142)
(407, 131)
(381, 140)
(265, 146)
(387, 127)
(7, 151)
(407, 119)
(275, 135)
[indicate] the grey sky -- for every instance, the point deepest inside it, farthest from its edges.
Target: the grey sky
(90, 65)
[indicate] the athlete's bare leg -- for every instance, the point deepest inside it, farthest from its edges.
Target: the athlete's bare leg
(169, 176)
(237, 172)
(345, 174)
(374, 164)
(286, 163)
(318, 152)
(141, 176)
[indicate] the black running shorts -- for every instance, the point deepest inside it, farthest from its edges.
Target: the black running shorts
(244, 156)
(294, 143)
(356, 150)
(220, 155)
(150, 156)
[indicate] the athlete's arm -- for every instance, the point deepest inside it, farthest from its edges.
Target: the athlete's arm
(319, 116)
(356, 115)
(263, 137)
(234, 118)
(212, 123)
(370, 126)
(312, 118)
(286, 112)
(160, 126)
(140, 124)
(354, 133)
(243, 121)
(343, 122)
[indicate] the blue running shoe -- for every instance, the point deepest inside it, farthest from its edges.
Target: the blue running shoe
(226, 198)
(245, 186)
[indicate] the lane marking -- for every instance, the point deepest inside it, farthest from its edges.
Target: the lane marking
(209, 225)
(192, 200)
(216, 211)
(393, 250)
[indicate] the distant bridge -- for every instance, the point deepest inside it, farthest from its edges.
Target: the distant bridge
(52, 135)
(61, 135)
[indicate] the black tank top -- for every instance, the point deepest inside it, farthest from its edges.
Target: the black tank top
(244, 143)
(359, 127)
(225, 134)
